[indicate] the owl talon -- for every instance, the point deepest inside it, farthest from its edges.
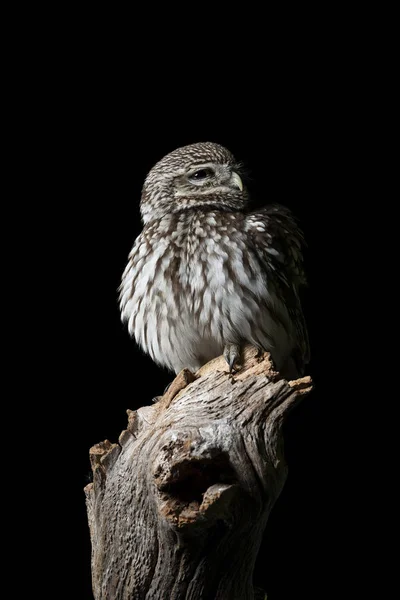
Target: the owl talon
(231, 355)
(158, 398)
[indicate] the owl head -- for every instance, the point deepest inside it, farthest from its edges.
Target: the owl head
(203, 175)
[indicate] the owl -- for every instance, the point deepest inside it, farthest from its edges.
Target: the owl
(206, 275)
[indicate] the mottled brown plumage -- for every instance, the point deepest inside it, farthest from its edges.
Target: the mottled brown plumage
(205, 276)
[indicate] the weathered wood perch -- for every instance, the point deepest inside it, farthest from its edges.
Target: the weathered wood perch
(178, 508)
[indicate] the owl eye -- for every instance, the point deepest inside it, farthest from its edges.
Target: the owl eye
(201, 174)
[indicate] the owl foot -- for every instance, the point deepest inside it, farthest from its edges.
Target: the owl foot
(231, 355)
(260, 352)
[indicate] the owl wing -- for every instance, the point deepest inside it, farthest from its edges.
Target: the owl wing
(277, 241)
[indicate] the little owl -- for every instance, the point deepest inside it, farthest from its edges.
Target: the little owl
(206, 276)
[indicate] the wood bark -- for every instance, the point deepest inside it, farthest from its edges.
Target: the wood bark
(177, 509)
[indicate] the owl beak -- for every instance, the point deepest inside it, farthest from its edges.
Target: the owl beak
(236, 181)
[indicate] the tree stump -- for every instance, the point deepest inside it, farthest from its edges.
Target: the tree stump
(178, 508)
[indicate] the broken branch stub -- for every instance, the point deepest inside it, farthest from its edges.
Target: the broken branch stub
(178, 508)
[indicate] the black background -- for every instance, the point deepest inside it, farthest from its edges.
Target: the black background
(106, 125)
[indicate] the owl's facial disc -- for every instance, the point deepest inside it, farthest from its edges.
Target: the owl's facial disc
(208, 178)
(203, 175)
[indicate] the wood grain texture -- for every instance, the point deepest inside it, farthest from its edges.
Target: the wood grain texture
(178, 507)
